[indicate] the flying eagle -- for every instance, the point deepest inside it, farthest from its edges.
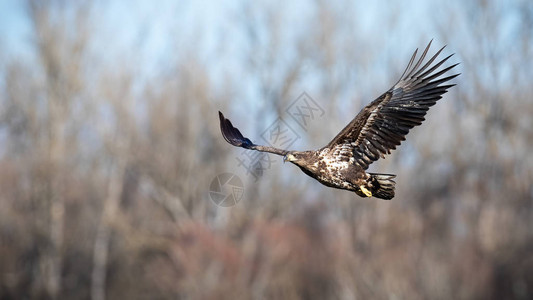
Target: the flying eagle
(379, 128)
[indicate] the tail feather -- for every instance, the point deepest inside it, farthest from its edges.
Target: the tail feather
(382, 185)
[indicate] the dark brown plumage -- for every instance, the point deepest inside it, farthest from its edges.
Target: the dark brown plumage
(377, 130)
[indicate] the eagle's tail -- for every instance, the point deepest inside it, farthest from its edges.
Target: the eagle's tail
(382, 185)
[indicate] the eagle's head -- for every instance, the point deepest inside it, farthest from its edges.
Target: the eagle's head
(303, 159)
(298, 158)
(291, 157)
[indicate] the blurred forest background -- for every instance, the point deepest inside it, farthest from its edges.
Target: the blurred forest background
(110, 139)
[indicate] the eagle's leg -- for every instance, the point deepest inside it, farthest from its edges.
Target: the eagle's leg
(365, 191)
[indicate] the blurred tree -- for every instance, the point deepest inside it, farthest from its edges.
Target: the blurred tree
(107, 163)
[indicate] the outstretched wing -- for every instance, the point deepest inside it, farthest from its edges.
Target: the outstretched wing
(233, 136)
(383, 124)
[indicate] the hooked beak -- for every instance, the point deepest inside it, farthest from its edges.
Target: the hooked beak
(289, 157)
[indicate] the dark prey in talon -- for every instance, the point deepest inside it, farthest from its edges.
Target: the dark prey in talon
(377, 130)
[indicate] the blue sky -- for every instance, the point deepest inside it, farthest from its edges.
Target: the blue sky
(131, 23)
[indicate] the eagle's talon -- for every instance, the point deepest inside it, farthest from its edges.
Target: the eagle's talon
(366, 191)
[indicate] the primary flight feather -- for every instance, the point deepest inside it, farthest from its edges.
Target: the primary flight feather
(377, 130)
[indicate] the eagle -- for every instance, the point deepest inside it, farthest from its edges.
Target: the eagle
(377, 130)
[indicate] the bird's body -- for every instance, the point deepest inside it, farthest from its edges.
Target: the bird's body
(374, 132)
(330, 172)
(341, 174)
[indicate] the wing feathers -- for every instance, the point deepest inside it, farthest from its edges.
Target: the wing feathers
(382, 125)
(410, 63)
(419, 60)
(431, 61)
(233, 136)
(435, 66)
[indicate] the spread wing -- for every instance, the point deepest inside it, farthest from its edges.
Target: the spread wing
(233, 136)
(383, 124)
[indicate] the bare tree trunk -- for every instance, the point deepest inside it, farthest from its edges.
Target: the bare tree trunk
(119, 144)
(103, 235)
(53, 260)
(62, 79)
